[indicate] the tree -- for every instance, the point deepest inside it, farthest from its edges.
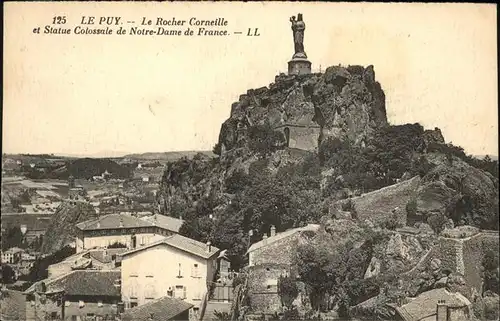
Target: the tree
(117, 245)
(490, 265)
(8, 275)
(13, 237)
(437, 222)
(264, 140)
(287, 290)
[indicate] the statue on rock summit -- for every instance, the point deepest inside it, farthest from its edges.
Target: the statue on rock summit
(298, 27)
(299, 65)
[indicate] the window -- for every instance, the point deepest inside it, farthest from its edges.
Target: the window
(180, 273)
(133, 304)
(133, 289)
(73, 318)
(53, 315)
(150, 291)
(195, 271)
(180, 291)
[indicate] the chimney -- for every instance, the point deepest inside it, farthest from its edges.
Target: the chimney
(264, 238)
(273, 230)
(121, 222)
(98, 224)
(209, 246)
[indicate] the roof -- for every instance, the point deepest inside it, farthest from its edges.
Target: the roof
(113, 221)
(424, 305)
(166, 222)
(105, 255)
(182, 243)
(162, 309)
(12, 305)
(14, 250)
(84, 283)
(165, 308)
(282, 235)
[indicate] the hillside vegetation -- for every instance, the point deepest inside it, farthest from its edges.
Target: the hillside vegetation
(258, 181)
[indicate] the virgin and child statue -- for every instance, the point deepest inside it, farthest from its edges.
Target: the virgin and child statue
(298, 27)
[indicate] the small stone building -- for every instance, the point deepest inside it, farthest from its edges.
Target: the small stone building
(268, 260)
(263, 286)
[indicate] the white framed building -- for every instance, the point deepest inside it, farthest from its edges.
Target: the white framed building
(126, 229)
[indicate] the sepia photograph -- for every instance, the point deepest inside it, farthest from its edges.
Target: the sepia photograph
(232, 161)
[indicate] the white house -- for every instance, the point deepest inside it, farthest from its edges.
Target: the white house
(126, 229)
(176, 266)
(12, 255)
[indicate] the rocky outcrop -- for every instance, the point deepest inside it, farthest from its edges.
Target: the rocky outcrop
(456, 189)
(343, 102)
(62, 230)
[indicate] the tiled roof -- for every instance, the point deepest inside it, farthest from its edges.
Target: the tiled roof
(182, 243)
(113, 221)
(167, 222)
(14, 250)
(282, 235)
(124, 220)
(425, 304)
(84, 283)
(163, 309)
(12, 306)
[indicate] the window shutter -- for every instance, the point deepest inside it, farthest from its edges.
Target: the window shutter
(185, 296)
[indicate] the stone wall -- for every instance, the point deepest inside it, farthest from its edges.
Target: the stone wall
(465, 256)
(377, 206)
(472, 256)
(262, 287)
(302, 137)
(446, 252)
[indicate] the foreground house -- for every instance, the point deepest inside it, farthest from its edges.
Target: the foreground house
(163, 309)
(278, 247)
(125, 229)
(77, 295)
(269, 259)
(436, 305)
(176, 266)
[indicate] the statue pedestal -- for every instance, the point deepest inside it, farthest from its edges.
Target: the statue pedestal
(299, 66)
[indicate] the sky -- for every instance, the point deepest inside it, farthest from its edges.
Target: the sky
(103, 95)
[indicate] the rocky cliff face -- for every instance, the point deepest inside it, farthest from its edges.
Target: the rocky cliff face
(62, 230)
(457, 190)
(342, 102)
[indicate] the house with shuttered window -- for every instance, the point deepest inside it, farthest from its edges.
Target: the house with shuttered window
(176, 267)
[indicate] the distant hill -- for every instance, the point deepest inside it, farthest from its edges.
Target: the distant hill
(89, 167)
(81, 168)
(495, 158)
(167, 156)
